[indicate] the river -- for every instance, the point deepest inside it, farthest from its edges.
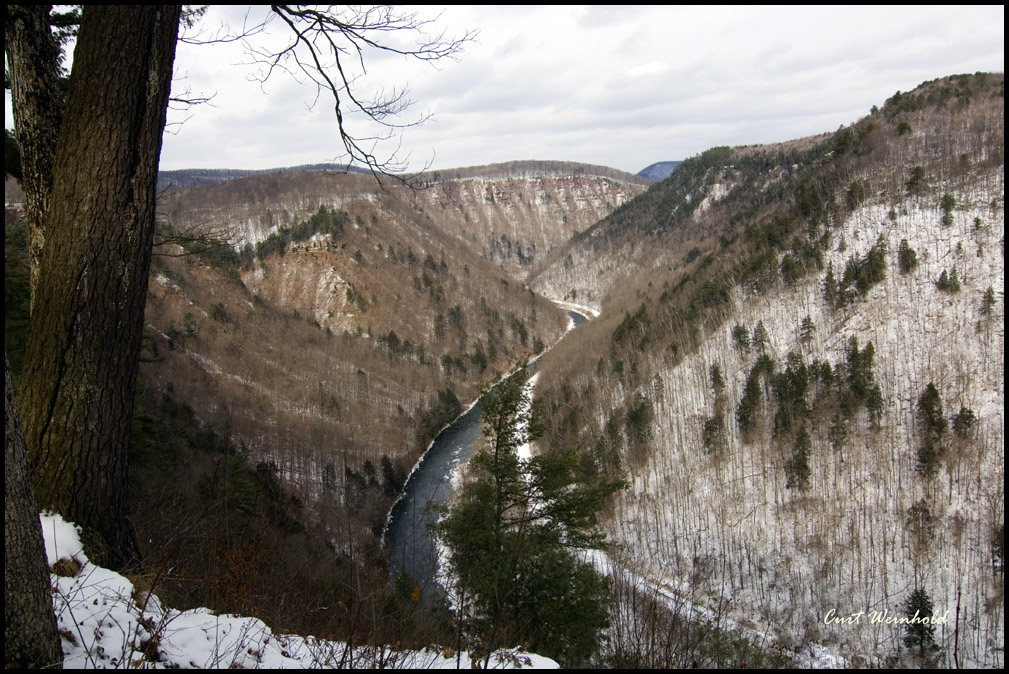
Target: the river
(407, 538)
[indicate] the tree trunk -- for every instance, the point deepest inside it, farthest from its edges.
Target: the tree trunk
(33, 55)
(30, 637)
(80, 368)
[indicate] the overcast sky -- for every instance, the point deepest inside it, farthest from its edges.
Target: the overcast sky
(618, 86)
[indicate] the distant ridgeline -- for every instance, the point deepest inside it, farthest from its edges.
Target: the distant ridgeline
(659, 171)
(531, 168)
(190, 177)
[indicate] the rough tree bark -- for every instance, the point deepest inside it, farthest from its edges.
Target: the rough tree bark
(33, 56)
(30, 637)
(94, 226)
(77, 386)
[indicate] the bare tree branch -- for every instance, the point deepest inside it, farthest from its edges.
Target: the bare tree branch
(327, 48)
(194, 240)
(183, 101)
(193, 32)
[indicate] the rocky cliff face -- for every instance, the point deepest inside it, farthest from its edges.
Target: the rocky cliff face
(248, 210)
(516, 221)
(512, 213)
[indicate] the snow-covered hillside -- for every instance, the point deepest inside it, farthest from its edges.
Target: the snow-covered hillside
(799, 366)
(727, 532)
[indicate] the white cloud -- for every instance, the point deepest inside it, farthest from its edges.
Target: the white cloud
(620, 86)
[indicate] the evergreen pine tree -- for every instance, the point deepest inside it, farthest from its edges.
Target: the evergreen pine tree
(963, 422)
(717, 380)
(947, 203)
(759, 339)
(933, 426)
(512, 534)
(741, 338)
(797, 469)
(920, 633)
(906, 257)
(830, 286)
(988, 302)
(948, 282)
(747, 407)
(930, 410)
(714, 435)
(807, 329)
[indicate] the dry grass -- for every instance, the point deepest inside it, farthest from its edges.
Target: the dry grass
(67, 567)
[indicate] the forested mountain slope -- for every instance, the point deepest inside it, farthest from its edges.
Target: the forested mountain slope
(331, 326)
(800, 366)
(335, 326)
(307, 335)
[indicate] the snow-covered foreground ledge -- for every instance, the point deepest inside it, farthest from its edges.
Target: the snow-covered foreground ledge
(105, 622)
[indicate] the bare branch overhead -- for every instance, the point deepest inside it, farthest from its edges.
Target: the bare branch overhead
(327, 48)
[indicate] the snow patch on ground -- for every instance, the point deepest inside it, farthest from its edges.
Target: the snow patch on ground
(106, 622)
